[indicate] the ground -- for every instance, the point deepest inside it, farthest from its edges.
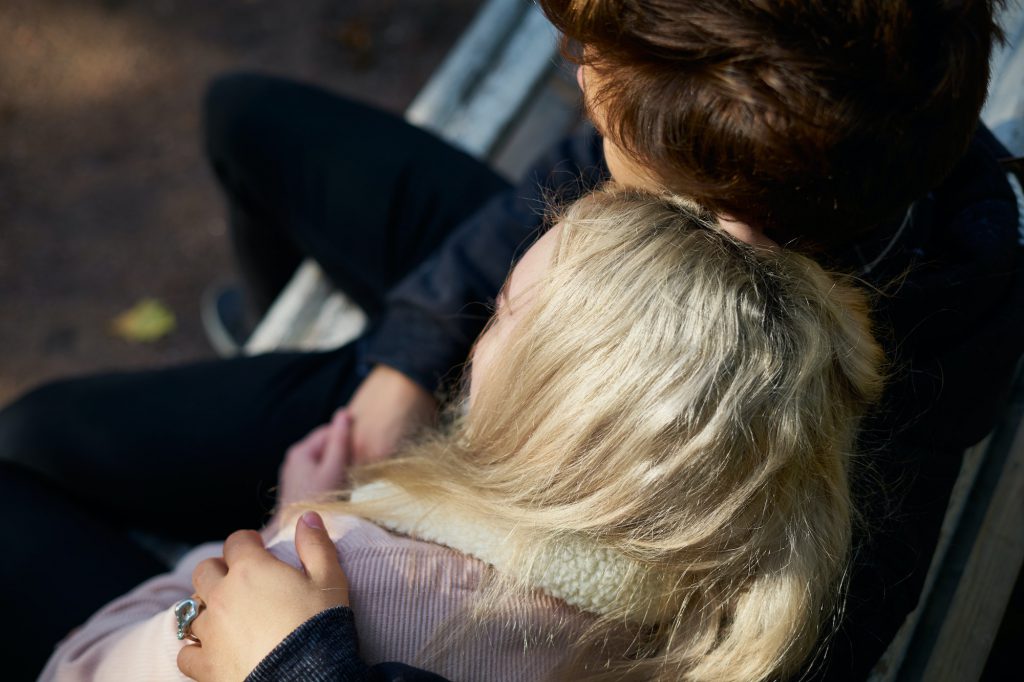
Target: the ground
(105, 198)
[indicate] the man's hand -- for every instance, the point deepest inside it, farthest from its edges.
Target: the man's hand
(253, 600)
(387, 407)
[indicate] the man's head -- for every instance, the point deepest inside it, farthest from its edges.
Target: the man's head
(814, 119)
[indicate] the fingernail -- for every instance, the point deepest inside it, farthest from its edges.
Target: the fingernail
(313, 520)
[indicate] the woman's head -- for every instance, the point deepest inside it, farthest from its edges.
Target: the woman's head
(656, 388)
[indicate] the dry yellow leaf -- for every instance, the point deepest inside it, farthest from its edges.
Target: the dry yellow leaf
(147, 321)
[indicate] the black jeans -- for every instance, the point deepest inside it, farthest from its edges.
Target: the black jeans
(190, 452)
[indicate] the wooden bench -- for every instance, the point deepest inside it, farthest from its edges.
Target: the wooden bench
(503, 95)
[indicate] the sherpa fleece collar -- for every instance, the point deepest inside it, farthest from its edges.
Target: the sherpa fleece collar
(592, 578)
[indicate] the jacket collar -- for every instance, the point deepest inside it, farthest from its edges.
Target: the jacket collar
(589, 577)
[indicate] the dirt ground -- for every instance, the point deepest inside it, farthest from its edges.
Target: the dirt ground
(105, 198)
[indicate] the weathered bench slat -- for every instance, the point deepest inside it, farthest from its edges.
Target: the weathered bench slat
(1004, 110)
(308, 308)
(551, 113)
(468, 63)
(977, 578)
(504, 91)
(892, 661)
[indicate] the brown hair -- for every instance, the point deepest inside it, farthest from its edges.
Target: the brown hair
(814, 120)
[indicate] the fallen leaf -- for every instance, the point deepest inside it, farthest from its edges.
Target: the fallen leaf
(147, 321)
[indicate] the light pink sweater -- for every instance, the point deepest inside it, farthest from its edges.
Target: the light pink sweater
(403, 593)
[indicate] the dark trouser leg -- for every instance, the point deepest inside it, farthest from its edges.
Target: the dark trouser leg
(189, 452)
(61, 563)
(307, 173)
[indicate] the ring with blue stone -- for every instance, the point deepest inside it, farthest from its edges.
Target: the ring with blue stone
(186, 611)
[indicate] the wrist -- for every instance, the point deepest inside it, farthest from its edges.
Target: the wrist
(402, 383)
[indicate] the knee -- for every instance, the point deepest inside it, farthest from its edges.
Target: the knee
(233, 106)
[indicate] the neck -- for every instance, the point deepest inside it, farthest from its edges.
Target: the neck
(627, 173)
(738, 229)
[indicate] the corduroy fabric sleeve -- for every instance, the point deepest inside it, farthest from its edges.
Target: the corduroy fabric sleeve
(326, 649)
(436, 312)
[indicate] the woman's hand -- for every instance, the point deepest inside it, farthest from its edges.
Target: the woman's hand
(318, 463)
(253, 600)
(315, 465)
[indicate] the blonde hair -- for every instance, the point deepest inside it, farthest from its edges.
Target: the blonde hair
(688, 402)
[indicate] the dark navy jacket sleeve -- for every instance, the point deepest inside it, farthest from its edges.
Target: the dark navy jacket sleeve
(322, 649)
(437, 311)
(326, 649)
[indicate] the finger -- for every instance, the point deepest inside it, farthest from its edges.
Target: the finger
(243, 544)
(312, 445)
(207, 574)
(319, 556)
(337, 448)
(337, 455)
(192, 663)
(198, 625)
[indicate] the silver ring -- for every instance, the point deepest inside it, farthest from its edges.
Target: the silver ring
(186, 611)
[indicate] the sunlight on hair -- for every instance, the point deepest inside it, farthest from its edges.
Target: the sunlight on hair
(683, 405)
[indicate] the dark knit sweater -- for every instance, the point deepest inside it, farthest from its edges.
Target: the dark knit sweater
(326, 649)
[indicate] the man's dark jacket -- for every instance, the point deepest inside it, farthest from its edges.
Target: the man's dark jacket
(949, 310)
